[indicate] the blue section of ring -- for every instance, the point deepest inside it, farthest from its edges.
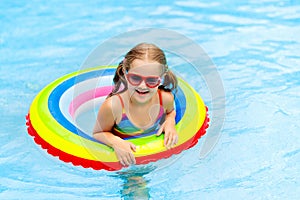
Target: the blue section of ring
(54, 98)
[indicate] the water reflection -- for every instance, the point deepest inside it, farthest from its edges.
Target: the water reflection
(135, 182)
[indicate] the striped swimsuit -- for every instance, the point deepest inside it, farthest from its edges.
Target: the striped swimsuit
(126, 129)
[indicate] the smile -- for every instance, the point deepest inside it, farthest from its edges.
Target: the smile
(142, 92)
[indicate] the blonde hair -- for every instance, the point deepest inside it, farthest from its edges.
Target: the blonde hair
(143, 51)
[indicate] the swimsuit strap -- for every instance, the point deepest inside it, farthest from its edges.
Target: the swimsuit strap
(122, 103)
(160, 98)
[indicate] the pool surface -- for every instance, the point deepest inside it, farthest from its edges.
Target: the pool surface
(255, 47)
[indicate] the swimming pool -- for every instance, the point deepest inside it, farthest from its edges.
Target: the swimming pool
(255, 47)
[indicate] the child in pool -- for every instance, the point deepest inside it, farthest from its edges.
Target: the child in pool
(140, 103)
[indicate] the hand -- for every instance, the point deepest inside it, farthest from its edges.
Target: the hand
(171, 136)
(124, 151)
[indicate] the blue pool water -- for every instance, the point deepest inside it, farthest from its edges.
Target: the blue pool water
(255, 46)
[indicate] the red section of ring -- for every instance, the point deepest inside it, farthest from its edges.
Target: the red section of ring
(113, 166)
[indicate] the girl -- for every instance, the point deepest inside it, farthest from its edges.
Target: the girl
(140, 103)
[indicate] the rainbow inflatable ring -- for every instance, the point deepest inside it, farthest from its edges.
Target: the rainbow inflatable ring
(52, 123)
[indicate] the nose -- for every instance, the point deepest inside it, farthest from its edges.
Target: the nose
(143, 84)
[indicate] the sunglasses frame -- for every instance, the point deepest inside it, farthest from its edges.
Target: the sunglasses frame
(143, 78)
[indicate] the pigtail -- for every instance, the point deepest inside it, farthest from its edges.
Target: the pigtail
(119, 80)
(170, 82)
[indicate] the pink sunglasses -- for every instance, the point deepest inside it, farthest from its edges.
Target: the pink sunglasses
(150, 81)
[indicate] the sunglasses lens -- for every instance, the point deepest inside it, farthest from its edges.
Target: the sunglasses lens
(135, 79)
(152, 82)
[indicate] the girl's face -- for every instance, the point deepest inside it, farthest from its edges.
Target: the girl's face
(143, 79)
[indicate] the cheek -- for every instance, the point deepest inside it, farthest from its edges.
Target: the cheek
(130, 87)
(153, 90)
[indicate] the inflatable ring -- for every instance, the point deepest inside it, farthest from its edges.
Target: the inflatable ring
(53, 113)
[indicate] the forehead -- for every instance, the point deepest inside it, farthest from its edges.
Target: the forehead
(145, 67)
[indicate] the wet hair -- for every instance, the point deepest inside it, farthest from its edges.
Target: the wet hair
(143, 51)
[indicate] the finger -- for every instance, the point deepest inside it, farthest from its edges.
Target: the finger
(126, 160)
(172, 140)
(167, 140)
(132, 158)
(120, 159)
(175, 138)
(160, 130)
(122, 163)
(133, 147)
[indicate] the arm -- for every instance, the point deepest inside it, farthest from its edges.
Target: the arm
(102, 132)
(168, 127)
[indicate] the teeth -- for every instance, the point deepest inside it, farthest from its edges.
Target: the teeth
(142, 92)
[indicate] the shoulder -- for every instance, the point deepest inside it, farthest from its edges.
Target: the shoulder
(107, 115)
(167, 98)
(111, 106)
